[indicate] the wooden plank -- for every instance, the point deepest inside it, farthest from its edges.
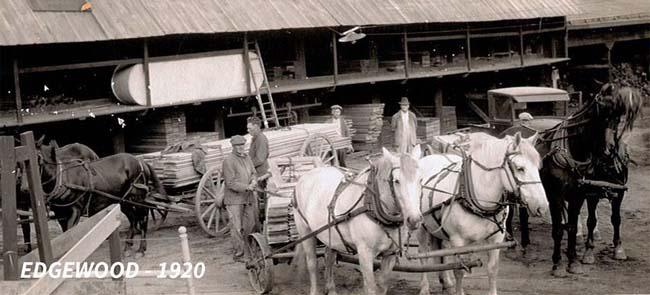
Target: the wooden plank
(9, 215)
(80, 251)
(115, 249)
(478, 111)
(38, 200)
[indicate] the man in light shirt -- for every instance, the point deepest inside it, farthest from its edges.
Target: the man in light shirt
(342, 130)
(404, 123)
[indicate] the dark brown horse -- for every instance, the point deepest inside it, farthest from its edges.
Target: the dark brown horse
(85, 188)
(587, 145)
(74, 151)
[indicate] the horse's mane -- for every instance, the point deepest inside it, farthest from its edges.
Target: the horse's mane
(624, 101)
(492, 151)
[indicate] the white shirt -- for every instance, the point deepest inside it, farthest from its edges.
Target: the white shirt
(338, 125)
(405, 120)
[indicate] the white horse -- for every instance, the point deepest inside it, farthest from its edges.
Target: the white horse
(496, 166)
(394, 179)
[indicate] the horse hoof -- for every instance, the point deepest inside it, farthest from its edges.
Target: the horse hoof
(575, 268)
(559, 272)
(588, 257)
(597, 236)
(619, 253)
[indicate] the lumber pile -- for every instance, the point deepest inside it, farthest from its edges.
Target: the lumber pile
(286, 171)
(157, 132)
(325, 118)
(176, 169)
(448, 122)
(427, 129)
(201, 137)
(367, 119)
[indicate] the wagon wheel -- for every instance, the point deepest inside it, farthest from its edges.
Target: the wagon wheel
(158, 217)
(208, 204)
(259, 267)
(427, 149)
(318, 145)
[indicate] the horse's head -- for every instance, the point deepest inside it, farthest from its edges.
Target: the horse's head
(617, 109)
(518, 163)
(47, 159)
(399, 176)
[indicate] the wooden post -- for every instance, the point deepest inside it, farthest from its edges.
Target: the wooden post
(407, 64)
(610, 46)
(219, 125)
(247, 64)
(300, 66)
(19, 102)
(335, 59)
(115, 250)
(566, 39)
(521, 45)
(437, 97)
(8, 187)
(37, 198)
(468, 50)
(185, 249)
(145, 67)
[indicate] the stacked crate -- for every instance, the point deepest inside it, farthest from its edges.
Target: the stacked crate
(427, 129)
(367, 120)
(448, 121)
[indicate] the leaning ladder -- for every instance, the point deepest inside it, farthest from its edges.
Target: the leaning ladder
(267, 108)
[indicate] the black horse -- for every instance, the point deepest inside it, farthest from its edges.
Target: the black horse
(585, 146)
(84, 188)
(74, 151)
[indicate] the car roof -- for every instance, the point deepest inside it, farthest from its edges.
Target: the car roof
(532, 94)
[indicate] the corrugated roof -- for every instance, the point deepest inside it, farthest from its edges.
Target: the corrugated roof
(124, 19)
(610, 12)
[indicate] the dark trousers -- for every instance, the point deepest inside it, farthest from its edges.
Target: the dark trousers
(341, 154)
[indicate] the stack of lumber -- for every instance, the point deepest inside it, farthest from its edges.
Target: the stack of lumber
(427, 129)
(448, 121)
(176, 169)
(202, 137)
(367, 120)
(325, 118)
(157, 133)
(280, 225)
(387, 134)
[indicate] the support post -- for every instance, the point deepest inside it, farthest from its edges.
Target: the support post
(437, 97)
(118, 141)
(38, 199)
(115, 250)
(145, 68)
(407, 64)
(610, 46)
(247, 64)
(9, 215)
(335, 59)
(468, 50)
(521, 45)
(566, 39)
(300, 66)
(19, 101)
(185, 248)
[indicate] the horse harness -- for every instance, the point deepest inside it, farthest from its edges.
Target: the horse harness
(465, 194)
(63, 189)
(372, 206)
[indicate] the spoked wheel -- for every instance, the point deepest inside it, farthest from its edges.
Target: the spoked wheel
(157, 217)
(259, 267)
(208, 204)
(318, 145)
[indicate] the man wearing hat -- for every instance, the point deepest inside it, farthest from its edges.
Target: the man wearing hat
(342, 129)
(259, 154)
(404, 123)
(239, 180)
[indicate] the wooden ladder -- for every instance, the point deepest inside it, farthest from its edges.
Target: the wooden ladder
(267, 107)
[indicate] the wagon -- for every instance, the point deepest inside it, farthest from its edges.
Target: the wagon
(276, 243)
(205, 198)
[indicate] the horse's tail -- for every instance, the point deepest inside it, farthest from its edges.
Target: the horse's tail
(151, 175)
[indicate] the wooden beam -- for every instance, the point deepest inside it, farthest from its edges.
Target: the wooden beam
(477, 35)
(300, 66)
(37, 198)
(521, 45)
(407, 64)
(115, 249)
(478, 111)
(566, 39)
(335, 58)
(19, 101)
(468, 50)
(145, 68)
(65, 241)
(247, 64)
(80, 251)
(9, 215)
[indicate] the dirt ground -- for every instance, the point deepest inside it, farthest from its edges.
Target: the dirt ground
(517, 275)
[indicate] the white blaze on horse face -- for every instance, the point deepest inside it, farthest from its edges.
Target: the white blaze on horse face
(407, 186)
(525, 169)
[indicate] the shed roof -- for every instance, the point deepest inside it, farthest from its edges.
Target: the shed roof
(125, 19)
(603, 13)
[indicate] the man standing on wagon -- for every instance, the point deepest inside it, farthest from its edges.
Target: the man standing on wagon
(342, 129)
(240, 182)
(259, 154)
(404, 124)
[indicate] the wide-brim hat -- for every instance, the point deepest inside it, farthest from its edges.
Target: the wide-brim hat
(336, 107)
(237, 140)
(404, 100)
